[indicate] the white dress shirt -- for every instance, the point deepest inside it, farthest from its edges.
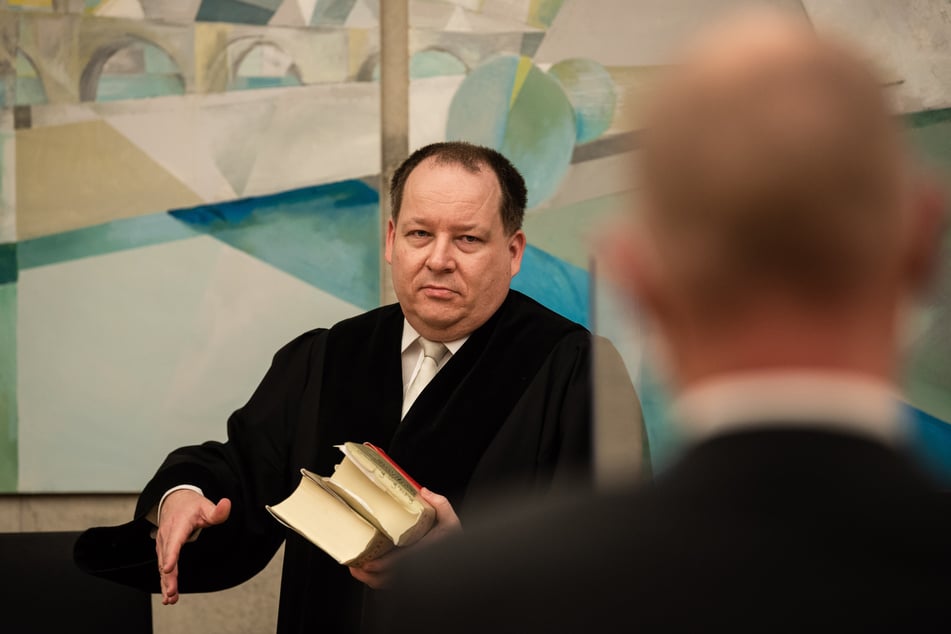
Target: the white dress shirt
(822, 400)
(412, 355)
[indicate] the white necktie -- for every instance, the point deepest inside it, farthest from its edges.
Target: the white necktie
(433, 352)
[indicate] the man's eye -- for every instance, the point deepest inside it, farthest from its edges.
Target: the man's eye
(419, 233)
(470, 239)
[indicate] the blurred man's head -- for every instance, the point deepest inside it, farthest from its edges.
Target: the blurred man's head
(779, 219)
(454, 241)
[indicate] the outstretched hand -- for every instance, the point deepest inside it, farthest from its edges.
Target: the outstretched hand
(377, 573)
(183, 512)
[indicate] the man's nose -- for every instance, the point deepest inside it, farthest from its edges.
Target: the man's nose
(441, 257)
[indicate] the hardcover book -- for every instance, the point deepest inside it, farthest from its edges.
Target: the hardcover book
(367, 507)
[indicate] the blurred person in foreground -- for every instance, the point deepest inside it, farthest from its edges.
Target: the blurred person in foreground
(783, 235)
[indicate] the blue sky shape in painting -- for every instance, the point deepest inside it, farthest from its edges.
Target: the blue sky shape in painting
(552, 282)
(327, 235)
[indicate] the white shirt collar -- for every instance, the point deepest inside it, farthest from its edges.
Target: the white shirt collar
(825, 400)
(410, 336)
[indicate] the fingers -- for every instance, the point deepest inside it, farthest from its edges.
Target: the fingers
(375, 577)
(169, 586)
(218, 514)
(182, 515)
(446, 519)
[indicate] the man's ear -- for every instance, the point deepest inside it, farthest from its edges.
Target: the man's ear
(390, 235)
(929, 226)
(628, 261)
(517, 250)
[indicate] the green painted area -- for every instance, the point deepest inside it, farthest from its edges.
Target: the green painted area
(29, 91)
(234, 11)
(928, 375)
(8, 262)
(433, 63)
(544, 12)
(564, 232)
(158, 61)
(331, 12)
(119, 87)
(9, 463)
(591, 92)
(930, 134)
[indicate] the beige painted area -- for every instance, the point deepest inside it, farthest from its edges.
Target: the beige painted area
(247, 609)
(634, 86)
(84, 174)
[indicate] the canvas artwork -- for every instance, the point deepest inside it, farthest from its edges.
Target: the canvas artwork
(186, 186)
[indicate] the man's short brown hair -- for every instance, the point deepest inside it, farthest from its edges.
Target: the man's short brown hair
(472, 158)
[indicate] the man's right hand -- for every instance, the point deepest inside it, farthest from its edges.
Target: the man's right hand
(183, 512)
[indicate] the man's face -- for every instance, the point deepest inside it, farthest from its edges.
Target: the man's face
(451, 259)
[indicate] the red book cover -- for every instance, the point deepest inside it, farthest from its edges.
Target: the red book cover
(394, 465)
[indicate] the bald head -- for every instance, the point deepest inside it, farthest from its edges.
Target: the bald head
(771, 160)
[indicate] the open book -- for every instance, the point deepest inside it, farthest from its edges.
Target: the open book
(366, 508)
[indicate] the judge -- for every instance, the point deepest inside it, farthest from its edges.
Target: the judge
(782, 235)
(507, 410)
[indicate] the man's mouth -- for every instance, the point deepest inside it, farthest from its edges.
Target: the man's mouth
(437, 292)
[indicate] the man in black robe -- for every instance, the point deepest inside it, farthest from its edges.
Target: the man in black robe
(782, 234)
(508, 411)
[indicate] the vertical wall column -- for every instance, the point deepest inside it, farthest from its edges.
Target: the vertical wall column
(394, 112)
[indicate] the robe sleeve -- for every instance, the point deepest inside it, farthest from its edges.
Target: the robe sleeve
(250, 469)
(546, 441)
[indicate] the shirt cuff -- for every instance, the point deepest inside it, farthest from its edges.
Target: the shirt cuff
(155, 515)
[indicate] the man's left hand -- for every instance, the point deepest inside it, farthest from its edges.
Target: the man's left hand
(376, 573)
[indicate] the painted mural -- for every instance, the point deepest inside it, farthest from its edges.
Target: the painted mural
(185, 185)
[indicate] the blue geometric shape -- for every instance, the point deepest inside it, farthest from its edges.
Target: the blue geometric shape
(109, 237)
(931, 443)
(556, 284)
(326, 235)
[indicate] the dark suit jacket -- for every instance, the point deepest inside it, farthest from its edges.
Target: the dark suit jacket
(772, 531)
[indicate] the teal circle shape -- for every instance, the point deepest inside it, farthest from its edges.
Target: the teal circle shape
(532, 124)
(592, 94)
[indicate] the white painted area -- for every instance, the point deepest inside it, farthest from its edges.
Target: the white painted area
(126, 356)
(612, 174)
(911, 41)
(429, 100)
(362, 17)
(177, 12)
(290, 14)
(630, 32)
(324, 136)
(250, 142)
(8, 220)
(169, 139)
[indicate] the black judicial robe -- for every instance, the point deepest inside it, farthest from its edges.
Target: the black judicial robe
(510, 412)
